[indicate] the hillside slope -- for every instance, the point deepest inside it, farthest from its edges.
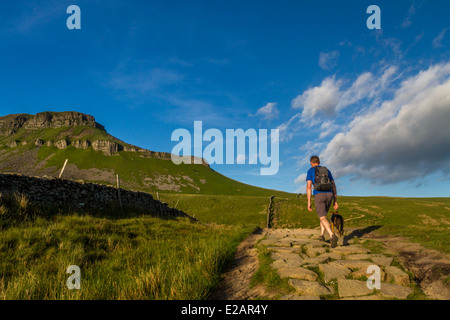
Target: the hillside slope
(38, 145)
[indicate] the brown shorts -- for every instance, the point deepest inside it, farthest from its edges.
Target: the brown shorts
(323, 203)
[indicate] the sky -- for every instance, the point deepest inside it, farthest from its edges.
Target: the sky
(374, 104)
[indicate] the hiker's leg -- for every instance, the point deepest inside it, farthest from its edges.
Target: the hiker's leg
(326, 225)
(322, 228)
(320, 201)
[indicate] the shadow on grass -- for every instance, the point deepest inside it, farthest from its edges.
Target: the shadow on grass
(358, 233)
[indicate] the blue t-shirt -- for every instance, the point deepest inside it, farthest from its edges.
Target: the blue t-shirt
(311, 176)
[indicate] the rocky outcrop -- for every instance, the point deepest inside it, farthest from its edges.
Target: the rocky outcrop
(81, 144)
(12, 123)
(12, 144)
(61, 144)
(109, 148)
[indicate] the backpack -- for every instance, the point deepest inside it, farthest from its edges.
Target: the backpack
(321, 181)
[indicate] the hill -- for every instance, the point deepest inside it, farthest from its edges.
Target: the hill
(38, 145)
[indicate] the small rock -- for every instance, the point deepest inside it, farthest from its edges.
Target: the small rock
(381, 260)
(354, 249)
(289, 270)
(354, 264)
(287, 256)
(297, 297)
(394, 291)
(359, 256)
(371, 297)
(334, 271)
(394, 274)
(352, 288)
(310, 288)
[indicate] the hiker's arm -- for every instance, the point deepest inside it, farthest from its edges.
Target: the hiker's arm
(308, 193)
(334, 195)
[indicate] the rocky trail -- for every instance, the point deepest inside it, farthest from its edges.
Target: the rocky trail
(316, 271)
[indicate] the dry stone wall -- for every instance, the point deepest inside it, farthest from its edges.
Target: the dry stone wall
(82, 196)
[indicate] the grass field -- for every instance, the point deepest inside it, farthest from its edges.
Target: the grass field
(140, 257)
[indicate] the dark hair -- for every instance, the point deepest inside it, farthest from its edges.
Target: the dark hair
(315, 159)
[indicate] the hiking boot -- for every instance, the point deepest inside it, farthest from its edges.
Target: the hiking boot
(334, 241)
(322, 238)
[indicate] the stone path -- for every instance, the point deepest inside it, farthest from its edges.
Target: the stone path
(316, 270)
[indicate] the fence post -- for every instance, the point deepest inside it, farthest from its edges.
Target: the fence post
(62, 170)
(269, 212)
(118, 192)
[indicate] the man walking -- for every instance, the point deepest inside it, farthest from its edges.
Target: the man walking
(324, 193)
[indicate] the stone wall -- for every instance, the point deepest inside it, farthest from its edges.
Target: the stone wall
(83, 196)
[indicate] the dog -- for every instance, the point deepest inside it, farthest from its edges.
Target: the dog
(337, 222)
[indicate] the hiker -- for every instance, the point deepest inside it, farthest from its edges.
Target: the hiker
(324, 193)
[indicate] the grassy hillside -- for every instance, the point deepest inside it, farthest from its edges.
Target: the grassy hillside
(137, 170)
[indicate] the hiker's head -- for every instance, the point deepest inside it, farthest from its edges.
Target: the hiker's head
(315, 161)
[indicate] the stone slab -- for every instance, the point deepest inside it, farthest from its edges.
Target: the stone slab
(352, 288)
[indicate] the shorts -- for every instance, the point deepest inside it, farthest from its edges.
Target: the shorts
(323, 202)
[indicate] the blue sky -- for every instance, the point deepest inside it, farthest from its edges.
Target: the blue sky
(374, 104)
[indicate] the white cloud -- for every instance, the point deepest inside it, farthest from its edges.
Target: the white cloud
(287, 129)
(437, 42)
(408, 19)
(322, 99)
(367, 86)
(328, 60)
(320, 105)
(269, 111)
(36, 15)
(405, 138)
(301, 180)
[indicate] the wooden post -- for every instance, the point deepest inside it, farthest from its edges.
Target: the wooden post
(62, 170)
(157, 195)
(269, 212)
(118, 192)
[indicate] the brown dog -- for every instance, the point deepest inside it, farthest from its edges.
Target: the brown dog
(337, 222)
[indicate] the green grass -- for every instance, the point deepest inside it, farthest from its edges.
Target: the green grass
(223, 209)
(269, 277)
(143, 257)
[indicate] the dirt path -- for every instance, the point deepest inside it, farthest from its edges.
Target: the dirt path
(316, 271)
(235, 283)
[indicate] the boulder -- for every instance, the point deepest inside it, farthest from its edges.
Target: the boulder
(109, 148)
